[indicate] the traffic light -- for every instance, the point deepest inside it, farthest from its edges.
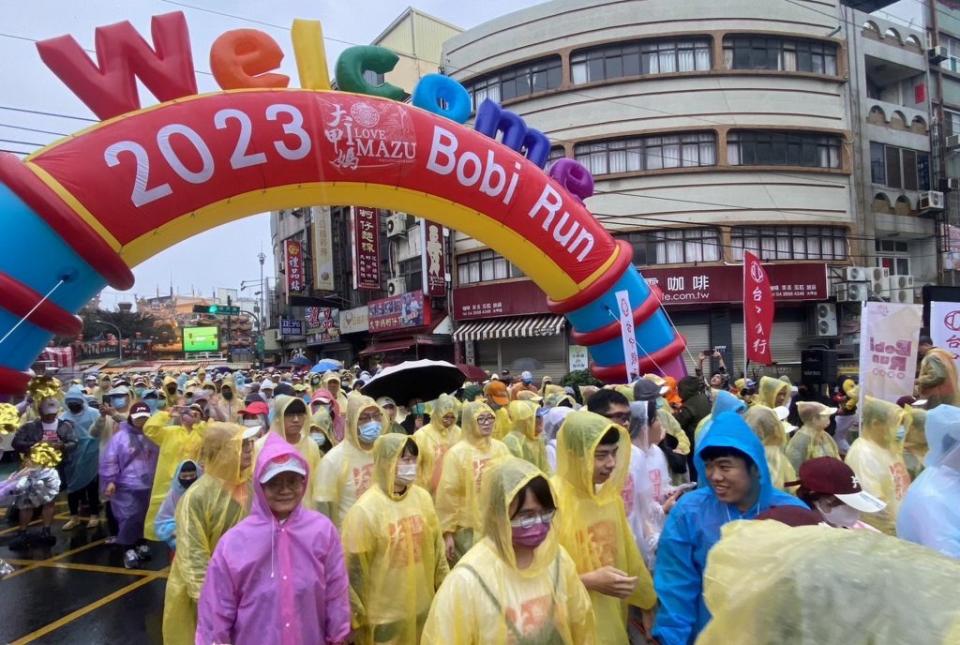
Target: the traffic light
(216, 310)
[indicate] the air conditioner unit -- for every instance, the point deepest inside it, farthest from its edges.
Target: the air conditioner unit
(897, 282)
(950, 184)
(825, 319)
(901, 296)
(274, 335)
(396, 286)
(931, 200)
(396, 225)
(938, 54)
(855, 274)
(854, 292)
(953, 141)
(878, 274)
(840, 292)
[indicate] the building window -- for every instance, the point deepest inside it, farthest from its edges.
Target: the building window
(640, 59)
(899, 167)
(762, 148)
(674, 246)
(521, 80)
(648, 153)
(780, 54)
(484, 266)
(953, 51)
(894, 256)
(790, 242)
(952, 122)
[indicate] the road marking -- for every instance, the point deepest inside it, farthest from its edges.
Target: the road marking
(96, 568)
(65, 554)
(83, 611)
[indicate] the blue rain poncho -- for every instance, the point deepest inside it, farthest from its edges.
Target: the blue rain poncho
(165, 523)
(83, 461)
(693, 527)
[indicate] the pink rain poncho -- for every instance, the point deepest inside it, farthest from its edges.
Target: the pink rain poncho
(273, 582)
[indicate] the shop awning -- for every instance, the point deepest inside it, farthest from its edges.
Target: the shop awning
(514, 327)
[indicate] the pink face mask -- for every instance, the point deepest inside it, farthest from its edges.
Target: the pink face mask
(531, 536)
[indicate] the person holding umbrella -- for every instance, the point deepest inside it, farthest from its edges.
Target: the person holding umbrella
(435, 439)
(461, 479)
(345, 472)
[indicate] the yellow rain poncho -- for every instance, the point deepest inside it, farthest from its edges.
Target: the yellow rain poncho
(592, 525)
(765, 424)
(345, 473)
(488, 599)
(325, 384)
(503, 425)
(176, 443)
(915, 443)
(937, 380)
(770, 389)
(434, 441)
(769, 584)
(171, 399)
(322, 421)
(394, 551)
(876, 458)
(306, 446)
(524, 441)
(811, 440)
(464, 468)
(211, 506)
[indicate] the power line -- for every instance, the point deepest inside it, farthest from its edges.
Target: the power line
(53, 114)
(24, 143)
(23, 127)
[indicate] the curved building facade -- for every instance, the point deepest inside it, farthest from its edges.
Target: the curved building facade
(710, 128)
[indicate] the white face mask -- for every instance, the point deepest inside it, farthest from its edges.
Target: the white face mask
(406, 473)
(843, 516)
(251, 423)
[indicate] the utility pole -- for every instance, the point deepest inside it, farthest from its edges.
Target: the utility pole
(229, 303)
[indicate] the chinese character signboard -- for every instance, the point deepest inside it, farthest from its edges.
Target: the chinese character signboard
(724, 284)
(757, 311)
(434, 262)
(366, 248)
(293, 252)
(951, 255)
(398, 312)
(888, 349)
(322, 250)
(322, 325)
(945, 327)
(579, 358)
(518, 298)
(290, 327)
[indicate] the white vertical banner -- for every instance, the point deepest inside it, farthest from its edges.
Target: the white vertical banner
(945, 327)
(888, 349)
(631, 356)
(322, 250)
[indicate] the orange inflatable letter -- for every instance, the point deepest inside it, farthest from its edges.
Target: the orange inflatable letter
(244, 57)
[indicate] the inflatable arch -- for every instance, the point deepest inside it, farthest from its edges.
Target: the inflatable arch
(80, 213)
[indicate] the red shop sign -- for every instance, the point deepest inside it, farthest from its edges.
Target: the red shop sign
(366, 248)
(500, 299)
(724, 284)
(398, 312)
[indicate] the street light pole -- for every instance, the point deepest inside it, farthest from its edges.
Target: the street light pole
(119, 336)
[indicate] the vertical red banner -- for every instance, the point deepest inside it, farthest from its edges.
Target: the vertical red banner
(432, 248)
(757, 311)
(293, 252)
(366, 248)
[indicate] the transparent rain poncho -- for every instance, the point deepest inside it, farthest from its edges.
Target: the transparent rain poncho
(434, 441)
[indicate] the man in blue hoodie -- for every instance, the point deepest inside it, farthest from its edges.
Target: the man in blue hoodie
(734, 485)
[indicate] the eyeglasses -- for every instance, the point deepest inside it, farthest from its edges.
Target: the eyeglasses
(527, 521)
(623, 418)
(374, 416)
(486, 419)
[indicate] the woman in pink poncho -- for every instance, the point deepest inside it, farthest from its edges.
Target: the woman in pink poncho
(279, 575)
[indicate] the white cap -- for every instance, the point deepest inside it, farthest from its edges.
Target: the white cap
(287, 464)
(863, 502)
(267, 384)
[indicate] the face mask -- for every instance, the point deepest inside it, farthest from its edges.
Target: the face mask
(843, 515)
(227, 395)
(369, 431)
(319, 439)
(119, 402)
(901, 433)
(406, 473)
(186, 482)
(152, 404)
(75, 407)
(418, 409)
(251, 423)
(530, 537)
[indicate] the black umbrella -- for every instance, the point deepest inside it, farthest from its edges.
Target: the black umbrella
(424, 379)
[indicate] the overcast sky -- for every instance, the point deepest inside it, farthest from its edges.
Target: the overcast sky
(224, 256)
